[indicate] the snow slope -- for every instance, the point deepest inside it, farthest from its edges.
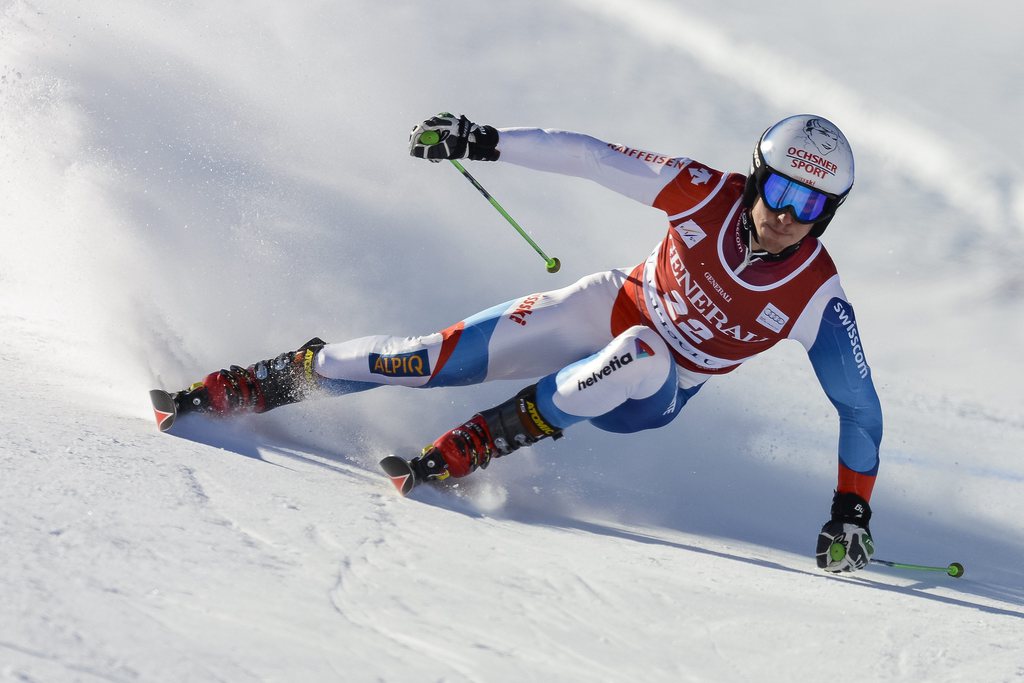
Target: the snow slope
(185, 186)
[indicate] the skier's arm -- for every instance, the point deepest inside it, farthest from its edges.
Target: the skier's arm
(634, 173)
(828, 330)
(648, 177)
(837, 356)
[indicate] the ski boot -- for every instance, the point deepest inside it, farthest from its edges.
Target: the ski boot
(258, 388)
(491, 433)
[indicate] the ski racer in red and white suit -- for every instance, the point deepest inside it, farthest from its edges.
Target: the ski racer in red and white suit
(626, 349)
(712, 309)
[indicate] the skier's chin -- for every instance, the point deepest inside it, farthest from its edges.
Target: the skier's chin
(773, 240)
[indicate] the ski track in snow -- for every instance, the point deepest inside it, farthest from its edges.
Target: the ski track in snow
(150, 157)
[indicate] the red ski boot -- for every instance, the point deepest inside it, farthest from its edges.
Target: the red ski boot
(261, 387)
(489, 434)
(459, 451)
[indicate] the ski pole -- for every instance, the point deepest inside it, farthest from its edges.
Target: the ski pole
(955, 569)
(431, 137)
(837, 551)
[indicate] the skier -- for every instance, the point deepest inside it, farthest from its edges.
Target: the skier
(740, 269)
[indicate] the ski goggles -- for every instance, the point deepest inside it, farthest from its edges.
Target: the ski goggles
(807, 205)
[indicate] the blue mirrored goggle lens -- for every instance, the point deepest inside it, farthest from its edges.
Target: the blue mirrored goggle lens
(780, 192)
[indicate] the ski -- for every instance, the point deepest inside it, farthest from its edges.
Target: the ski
(164, 409)
(408, 474)
(401, 473)
(168, 407)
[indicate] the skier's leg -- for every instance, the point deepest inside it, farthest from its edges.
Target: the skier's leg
(629, 385)
(636, 415)
(636, 366)
(525, 337)
(619, 389)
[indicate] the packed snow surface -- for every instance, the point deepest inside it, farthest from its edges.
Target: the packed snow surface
(187, 185)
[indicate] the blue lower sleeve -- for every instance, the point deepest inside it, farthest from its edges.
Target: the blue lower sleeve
(839, 362)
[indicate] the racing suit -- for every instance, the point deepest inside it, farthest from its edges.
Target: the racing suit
(625, 349)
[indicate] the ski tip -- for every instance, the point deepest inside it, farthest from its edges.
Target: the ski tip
(164, 409)
(400, 472)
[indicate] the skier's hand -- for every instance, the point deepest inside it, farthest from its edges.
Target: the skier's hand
(844, 547)
(844, 544)
(451, 137)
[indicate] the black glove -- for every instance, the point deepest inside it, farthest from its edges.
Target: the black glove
(456, 138)
(844, 544)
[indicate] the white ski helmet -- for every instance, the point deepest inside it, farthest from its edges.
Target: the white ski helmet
(804, 165)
